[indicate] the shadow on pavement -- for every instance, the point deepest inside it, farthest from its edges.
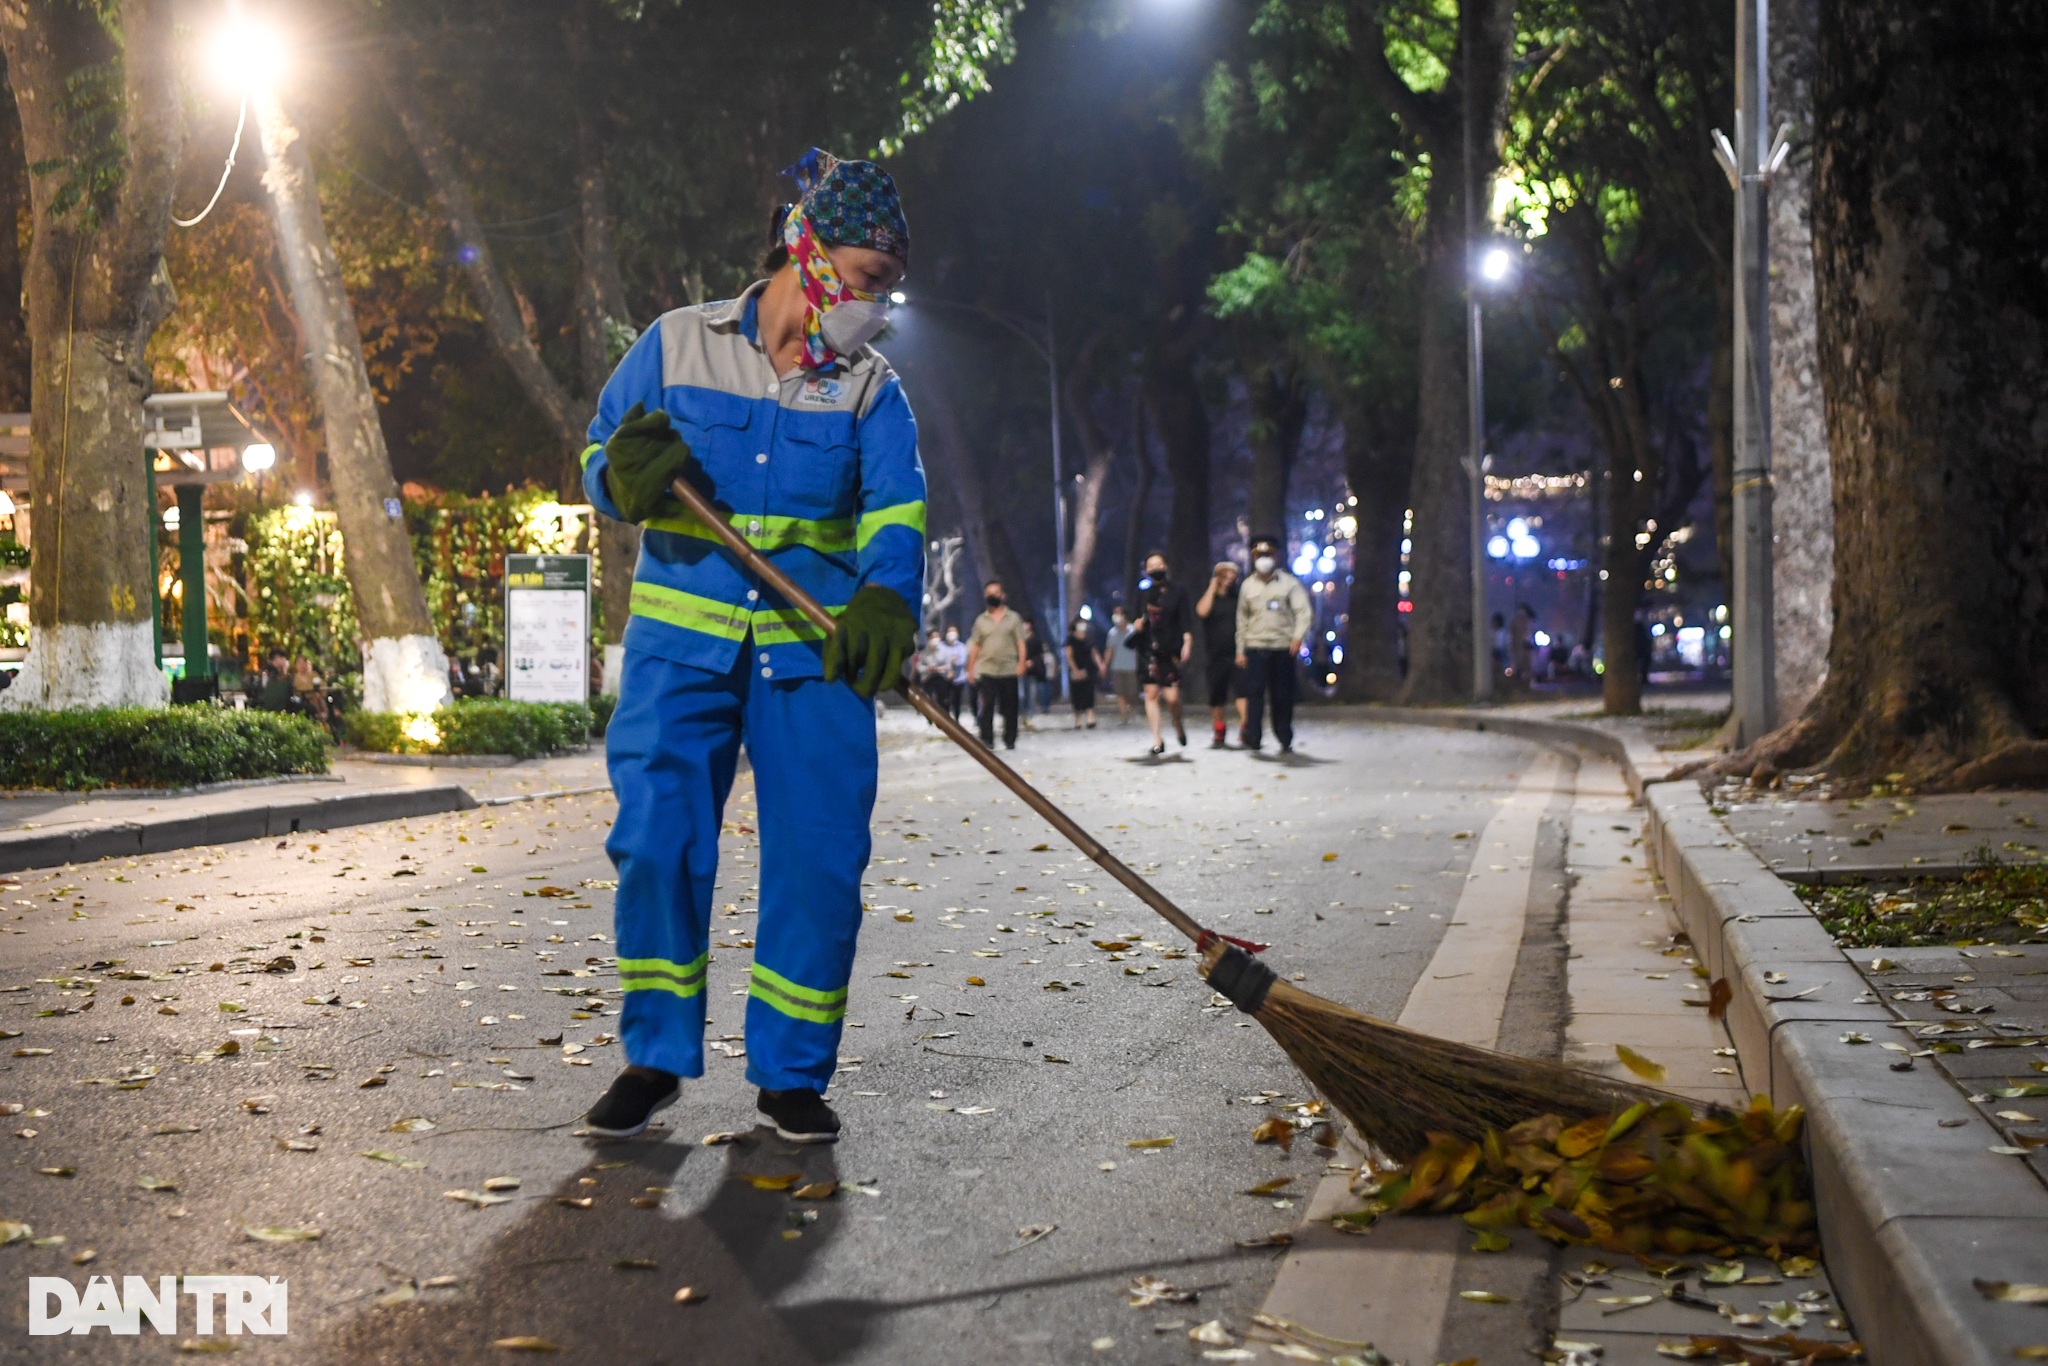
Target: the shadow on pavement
(553, 1274)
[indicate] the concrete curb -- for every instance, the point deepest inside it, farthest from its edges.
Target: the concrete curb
(24, 849)
(1640, 763)
(1910, 1212)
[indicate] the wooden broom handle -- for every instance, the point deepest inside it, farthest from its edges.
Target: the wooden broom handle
(754, 560)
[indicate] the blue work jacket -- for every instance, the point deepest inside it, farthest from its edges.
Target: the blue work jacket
(818, 469)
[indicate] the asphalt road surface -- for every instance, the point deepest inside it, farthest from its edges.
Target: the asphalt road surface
(223, 1050)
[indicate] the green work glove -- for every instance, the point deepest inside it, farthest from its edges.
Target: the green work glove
(876, 634)
(642, 457)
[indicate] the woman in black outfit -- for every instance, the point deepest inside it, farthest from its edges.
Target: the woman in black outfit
(1084, 670)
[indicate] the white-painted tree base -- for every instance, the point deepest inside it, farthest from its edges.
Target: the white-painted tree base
(405, 674)
(614, 665)
(109, 664)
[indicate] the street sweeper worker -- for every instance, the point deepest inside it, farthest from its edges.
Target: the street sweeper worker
(775, 407)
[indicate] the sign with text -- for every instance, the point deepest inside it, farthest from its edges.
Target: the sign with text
(547, 628)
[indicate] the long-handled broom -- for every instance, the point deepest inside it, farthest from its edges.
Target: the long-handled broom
(1395, 1086)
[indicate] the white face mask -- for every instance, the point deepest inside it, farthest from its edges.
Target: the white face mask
(1264, 564)
(851, 324)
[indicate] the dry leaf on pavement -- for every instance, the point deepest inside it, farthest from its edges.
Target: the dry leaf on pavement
(1147, 1291)
(1647, 1068)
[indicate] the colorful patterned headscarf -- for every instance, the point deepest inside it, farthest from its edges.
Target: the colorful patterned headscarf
(820, 283)
(844, 203)
(851, 203)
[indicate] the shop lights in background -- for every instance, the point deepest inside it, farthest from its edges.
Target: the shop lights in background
(1517, 542)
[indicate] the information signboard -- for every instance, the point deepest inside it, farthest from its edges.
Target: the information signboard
(547, 628)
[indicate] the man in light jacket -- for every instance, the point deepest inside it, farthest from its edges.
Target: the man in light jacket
(1273, 618)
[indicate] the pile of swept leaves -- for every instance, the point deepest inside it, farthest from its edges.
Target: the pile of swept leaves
(1652, 1181)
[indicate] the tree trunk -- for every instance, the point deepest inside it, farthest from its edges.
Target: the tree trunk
(404, 668)
(501, 313)
(1621, 591)
(1182, 422)
(16, 358)
(1141, 493)
(95, 296)
(1098, 454)
(602, 317)
(1459, 128)
(1378, 472)
(1721, 427)
(1929, 242)
(1440, 554)
(1279, 407)
(1803, 508)
(948, 453)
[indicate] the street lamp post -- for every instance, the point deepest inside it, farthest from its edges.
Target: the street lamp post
(1749, 163)
(1493, 267)
(1048, 352)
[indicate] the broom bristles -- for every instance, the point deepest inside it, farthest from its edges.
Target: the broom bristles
(1397, 1086)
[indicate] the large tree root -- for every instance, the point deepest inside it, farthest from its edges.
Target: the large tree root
(1960, 738)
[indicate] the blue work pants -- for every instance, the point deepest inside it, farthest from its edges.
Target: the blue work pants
(672, 747)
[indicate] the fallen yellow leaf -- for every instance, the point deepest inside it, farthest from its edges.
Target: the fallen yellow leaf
(1646, 1068)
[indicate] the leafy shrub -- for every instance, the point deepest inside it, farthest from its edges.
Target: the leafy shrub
(601, 708)
(475, 725)
(142, 747)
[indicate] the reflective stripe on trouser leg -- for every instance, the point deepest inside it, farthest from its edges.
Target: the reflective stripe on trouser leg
(671, 747)
(812, 745)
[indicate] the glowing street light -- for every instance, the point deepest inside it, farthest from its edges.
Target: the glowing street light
(1496, 265)
(245, 53)
(259, 457)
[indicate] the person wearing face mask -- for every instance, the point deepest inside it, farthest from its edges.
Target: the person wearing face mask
(934, 669)
(1123, 663)
(1164, 639)
(1218, 611)
(1084, 669)
(995, 661)
(777, 409)
(1273, 618)
(956, 663)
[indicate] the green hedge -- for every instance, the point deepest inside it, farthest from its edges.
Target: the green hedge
(601, 708)
(475, 725)
(141, 747)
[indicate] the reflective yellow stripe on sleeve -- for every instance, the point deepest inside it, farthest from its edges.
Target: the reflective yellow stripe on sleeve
(592, 449)
(901, 514)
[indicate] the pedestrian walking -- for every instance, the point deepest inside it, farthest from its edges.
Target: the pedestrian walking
(995, 661)
(1218, 611)
(802, 429)
(1273, 617)
(1084, 669)
(1164, 639)
(1031, 683)
(1123, 664)
(934, 669)
(956, 660)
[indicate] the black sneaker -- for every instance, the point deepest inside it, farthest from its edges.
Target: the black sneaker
(800, 1116)
(634, 1098)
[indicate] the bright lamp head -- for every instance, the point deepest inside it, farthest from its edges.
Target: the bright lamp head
(259, 457)
(1496, 265)
(246, 53)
